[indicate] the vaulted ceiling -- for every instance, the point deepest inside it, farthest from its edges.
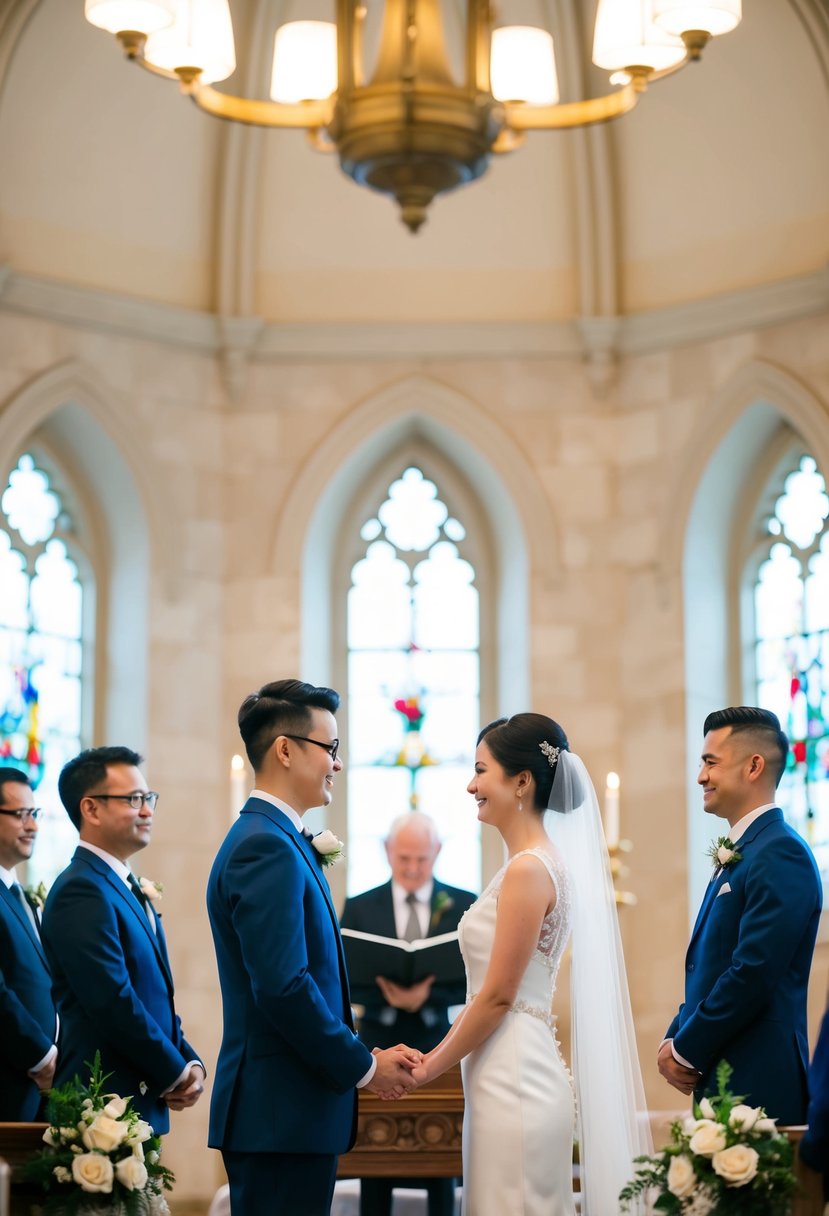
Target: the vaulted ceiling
(717, 183)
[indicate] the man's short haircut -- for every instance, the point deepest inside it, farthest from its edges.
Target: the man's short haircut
(764, 730)
(11, 775)
(282, 707)
(83, 773)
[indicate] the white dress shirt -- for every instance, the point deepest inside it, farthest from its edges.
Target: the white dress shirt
(422, 907)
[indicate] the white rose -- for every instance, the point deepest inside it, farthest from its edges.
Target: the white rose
(141, 1130)
(115, 1106)
(709, 1138)
(153, 1156)
(681, 1177)
(767, 1126)
(93, 1172)
(105, 1133)
(138, 1151)
(131, 1173)
(744, 1117)
(326, 842)
(737, 1165)
(52, 1137)
(706, 1109)
(724, 855)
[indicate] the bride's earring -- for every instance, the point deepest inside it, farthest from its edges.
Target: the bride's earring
(520, 805)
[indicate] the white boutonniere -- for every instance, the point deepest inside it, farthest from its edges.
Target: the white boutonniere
(37, 896)
(723, 852)
(329, 847)
(153, 891)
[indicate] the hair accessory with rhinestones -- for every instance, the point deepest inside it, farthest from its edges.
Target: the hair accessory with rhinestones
(552, 753)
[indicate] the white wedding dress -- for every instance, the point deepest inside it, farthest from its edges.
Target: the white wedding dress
(518, 1094)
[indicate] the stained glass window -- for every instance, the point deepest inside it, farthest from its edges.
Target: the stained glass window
(791, 615)
(41, 653)
(413, 682)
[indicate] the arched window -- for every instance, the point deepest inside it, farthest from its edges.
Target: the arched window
(413, 679)
(790, 650)
(41, 649)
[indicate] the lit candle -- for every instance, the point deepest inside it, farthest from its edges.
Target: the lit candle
(611, 810)
(238, 792)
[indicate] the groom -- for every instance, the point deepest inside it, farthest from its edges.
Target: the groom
(747, 966)
(285, 1096)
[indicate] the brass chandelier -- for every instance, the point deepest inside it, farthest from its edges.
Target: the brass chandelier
(408, 128)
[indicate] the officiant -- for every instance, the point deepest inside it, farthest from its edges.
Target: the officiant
(412, 904)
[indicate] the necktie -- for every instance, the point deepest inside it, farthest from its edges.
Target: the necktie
(141, 897)
(27, 907)
(412, 931)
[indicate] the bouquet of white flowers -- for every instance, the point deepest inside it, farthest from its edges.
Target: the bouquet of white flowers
(100, 1155)
(727, 1159)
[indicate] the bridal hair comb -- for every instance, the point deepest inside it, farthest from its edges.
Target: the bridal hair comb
(552, 753)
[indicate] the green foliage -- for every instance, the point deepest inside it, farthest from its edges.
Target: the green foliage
(99, 1155)
(727, 1159)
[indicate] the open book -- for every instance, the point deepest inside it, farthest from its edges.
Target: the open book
(406, 963)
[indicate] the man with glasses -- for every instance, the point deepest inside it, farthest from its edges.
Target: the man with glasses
(106, 945)
(28, 1024)
(284, 1100)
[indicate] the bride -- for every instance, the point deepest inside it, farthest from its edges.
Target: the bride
(522, 1107)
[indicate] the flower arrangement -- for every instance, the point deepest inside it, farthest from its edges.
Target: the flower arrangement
(329, 847)
(411, 710)
(100, 1155)
(723, 852)
(727, 1159)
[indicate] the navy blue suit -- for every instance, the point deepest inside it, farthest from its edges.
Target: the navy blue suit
(747, 971)
(289, 1062)
(113, 986)
(814, 1148)
(27, 1012)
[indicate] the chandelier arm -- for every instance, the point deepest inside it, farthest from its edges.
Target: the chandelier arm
(524, 117)
(308, 115)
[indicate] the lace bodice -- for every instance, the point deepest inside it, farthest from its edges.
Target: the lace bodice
(477, 931)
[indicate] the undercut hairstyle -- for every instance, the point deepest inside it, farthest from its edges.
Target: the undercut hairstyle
(12, 776)
(762, 730)
(87, 771)
(283, 707)
(516, 744)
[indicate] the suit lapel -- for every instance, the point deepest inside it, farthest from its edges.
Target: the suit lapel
(14, 904)
(123, 893)
(775, 815)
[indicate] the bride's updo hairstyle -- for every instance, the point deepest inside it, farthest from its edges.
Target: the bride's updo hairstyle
(516, 744)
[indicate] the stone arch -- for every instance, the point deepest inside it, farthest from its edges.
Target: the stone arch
(744, 419)
(513, 504)
(71, 410)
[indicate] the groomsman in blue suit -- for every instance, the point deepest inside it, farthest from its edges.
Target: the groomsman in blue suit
(28, 1024)
(284, 1100)
(747, 966)
(107, 949)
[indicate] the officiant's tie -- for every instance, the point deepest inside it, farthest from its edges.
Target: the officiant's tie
(413, 930)
(27, 907)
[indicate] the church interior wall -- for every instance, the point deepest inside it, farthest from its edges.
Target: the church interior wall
(607, 502)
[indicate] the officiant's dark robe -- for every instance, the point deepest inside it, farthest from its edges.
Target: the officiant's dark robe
(373, 912)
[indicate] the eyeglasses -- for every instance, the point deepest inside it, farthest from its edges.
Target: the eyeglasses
(24, 814)
(331, 748)
(136, 800)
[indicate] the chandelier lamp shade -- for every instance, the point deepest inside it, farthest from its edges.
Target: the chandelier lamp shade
(405, 125)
